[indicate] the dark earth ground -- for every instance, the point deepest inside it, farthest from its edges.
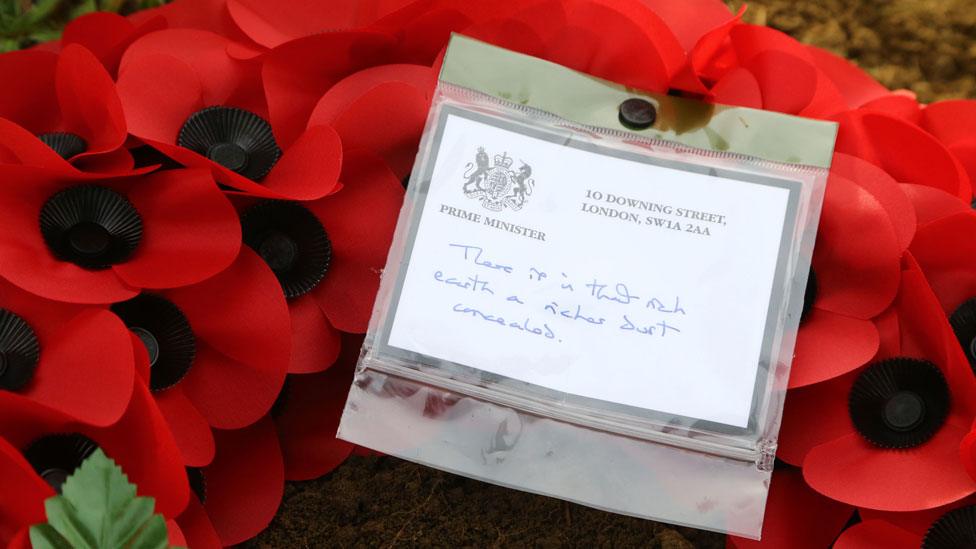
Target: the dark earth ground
(927, 46)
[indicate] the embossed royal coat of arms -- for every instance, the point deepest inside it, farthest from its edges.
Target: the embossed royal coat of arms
(497, 185)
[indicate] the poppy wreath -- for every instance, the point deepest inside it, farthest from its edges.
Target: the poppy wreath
(198, 202)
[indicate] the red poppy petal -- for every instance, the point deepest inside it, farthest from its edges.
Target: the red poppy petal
(360, 220)
(86, 369)
(175, 534)
(509, 33)
(851, 470)
(917, 522)
(394, 97)
(190, 230)
(796, 516)
(19, 146)
(315, 343)
(309, 421)
(871, 534)
(142, 444)
(965, 153)
(27, 262)
(827, 100)
(857, 86)
(749, 41)
(738, 87)
(967, 453)
(813, 415)
(857, 255)
(32, 103)
(633, 58)
(296, 74)
(899, 105)
(310, 168)
(709, 52)
(884, 189)
(890, 332)
(926, 333)
(273, 25)
(946, 250)
(950, 121)
(690, 20)
(18, 477)
(231, 394)
(158, 94)
(245, 482)
(107, 34)
(117, 162)
(90, 105)
(830, 345)
(241, 312)
(204, 52)
(788, 82)
(904, 150)
(932, 204)
(196, 527)
(189, 427)
(208, 15)
(45, 317)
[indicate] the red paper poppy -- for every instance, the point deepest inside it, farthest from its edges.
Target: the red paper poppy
(328, 255)
(945, 250)
(18, 477)
(854, 277)
(773, 71)
(394, 97)
(887, 437)
(796, 516)
(64, 113)
(948, 122)
(206, 15)
(948, 526)
(906, 152)
(86, 239)
(272, 25)
(73, 359)
(51, 445)
(644, 53)
(107, 35)
(855, 86)
(237, 495)
(218, 351)
(307, 416)
(186, 96)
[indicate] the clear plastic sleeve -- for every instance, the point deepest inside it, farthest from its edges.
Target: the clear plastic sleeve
(615, 456)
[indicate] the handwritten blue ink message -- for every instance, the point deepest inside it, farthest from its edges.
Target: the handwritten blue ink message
(582, 300)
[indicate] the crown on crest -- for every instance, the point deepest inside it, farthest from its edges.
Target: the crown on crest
(503, 160)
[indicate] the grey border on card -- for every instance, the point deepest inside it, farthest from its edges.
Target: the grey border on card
(481, 378)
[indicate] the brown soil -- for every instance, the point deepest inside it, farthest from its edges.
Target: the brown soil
(928, 46)
(385, 502)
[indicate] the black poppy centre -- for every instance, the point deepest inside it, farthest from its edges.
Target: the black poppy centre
(963, 322)
(953, 530)
(899, 403)
(166, 334)
(93, 227)
(55, 457)
(67, 145)
(19, 351)
(291, 240)
(238, 140)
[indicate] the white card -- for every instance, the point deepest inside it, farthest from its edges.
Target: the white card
(575, 270)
